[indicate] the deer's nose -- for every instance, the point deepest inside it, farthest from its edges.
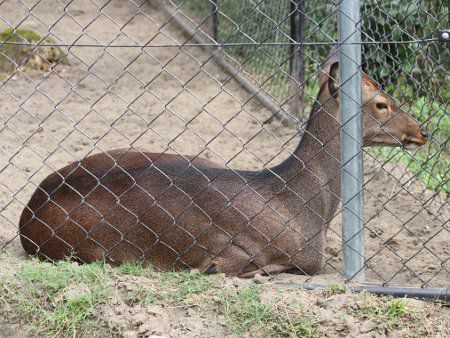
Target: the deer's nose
(424, 134)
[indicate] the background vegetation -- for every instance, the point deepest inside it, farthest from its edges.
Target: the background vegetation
(414, 73)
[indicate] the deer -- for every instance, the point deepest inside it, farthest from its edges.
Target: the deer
(180, 212)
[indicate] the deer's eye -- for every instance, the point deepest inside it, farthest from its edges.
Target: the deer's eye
(382, 105)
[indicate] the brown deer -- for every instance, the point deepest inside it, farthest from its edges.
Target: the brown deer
(178, 212)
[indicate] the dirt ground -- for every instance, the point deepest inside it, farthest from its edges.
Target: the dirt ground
(136, 302)
(175, 101)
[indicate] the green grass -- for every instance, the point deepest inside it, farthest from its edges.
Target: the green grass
(57, 299)
(41, 296)
(386, 312)
(334, 289)
(18, 35)
(13, 56)
(246, 312)
(66, 299)
(136, 269)
(242, 307)
(169, 287)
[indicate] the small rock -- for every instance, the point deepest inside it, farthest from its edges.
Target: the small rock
(130, 334)
(116, 323)
(190, 312)
(76, 291)
(258, 279)
(332, 251)
(115, 302)
(377, 232)
(416, 304)
(367, 326)
(129, 286)
(392, 242)
(320, 302)
(108, 268)
(144, 328)
(340, 327)
(154, 310)
(139, 318)
(426, 230)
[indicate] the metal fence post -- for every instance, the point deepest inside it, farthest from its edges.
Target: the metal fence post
(297, 59)
(214, 9)
(351, 139)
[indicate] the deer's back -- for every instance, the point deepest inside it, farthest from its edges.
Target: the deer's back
(166, 209)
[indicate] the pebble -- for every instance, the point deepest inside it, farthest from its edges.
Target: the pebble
(258, 279)
(320, 302)
(367, 326)
(194, 272)
(236, 282)
(139, 318)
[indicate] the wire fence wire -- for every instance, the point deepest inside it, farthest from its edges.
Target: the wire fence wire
(84, 77)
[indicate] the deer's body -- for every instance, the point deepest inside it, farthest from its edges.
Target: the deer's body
(175, 212)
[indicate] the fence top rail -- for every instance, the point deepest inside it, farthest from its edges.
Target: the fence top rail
(212, 44)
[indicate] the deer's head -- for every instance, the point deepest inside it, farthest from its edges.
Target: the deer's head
(385, 124)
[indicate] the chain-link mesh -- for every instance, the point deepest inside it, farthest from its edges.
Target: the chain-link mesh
(80, 78)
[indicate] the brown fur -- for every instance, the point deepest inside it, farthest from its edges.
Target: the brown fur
(178, 212)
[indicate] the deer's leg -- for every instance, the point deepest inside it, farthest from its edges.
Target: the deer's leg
(266, 270)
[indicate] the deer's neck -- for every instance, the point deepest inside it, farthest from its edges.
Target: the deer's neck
(314, 166)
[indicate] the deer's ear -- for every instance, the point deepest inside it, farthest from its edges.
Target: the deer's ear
(333, 79)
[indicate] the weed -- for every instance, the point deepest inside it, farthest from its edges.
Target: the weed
(334, 289)
(387, 312)
(396, 308)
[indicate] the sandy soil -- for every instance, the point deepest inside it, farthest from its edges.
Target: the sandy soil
(179, 101)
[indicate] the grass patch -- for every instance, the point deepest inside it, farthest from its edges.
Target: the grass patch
(67, 299)
(387, 312)
(242, 307)
(135, 269)
(56, 299)
(334, 289)
(168, 288)
(19, 35)
(22, 56)
(245, 312)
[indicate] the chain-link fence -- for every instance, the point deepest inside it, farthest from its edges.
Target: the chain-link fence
(214, 82)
